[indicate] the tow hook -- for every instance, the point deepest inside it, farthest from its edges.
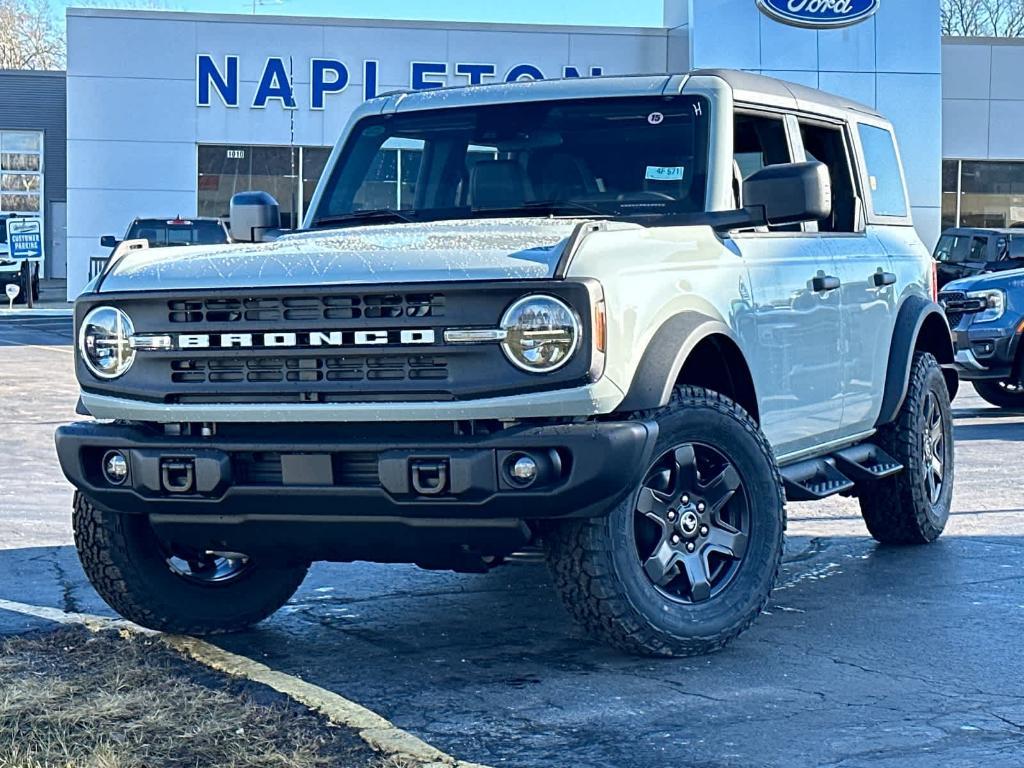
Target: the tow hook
(177, 475)
(429, 476)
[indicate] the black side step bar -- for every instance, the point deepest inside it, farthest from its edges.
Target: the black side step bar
(840, 472)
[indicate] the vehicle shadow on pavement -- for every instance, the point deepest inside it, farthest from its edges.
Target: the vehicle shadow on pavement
(999, 424)
(490, 668)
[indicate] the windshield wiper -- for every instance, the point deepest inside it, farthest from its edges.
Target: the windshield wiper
(550, 206)
(359, 217)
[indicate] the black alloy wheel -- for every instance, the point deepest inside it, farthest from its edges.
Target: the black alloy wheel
(687, 559)
(1002, 394)
(934, 447)
(692, 521)
(208, 567)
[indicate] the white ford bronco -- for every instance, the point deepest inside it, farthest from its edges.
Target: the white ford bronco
(621, 318)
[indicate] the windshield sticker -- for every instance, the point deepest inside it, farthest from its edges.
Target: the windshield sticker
(665, 172)
(655, 118)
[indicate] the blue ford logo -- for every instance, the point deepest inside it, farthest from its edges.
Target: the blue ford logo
(819, 14)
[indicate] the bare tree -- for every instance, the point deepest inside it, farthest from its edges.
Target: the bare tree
(993, 18)
(30, 36)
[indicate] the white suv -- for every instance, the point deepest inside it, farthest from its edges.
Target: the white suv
(624, 318)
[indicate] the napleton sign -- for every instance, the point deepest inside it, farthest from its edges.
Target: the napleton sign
(819, 14)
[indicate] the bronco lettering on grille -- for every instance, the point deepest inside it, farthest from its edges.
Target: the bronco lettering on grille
(289, 339)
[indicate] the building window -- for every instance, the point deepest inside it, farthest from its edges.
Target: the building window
(888, 196)
(991, 194)
(950, 193)
(225, 169)
(21, 172)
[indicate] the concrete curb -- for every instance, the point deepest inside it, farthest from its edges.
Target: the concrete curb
(379, 733)
(26, 313)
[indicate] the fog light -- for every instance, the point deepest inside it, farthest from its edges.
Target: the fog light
(524, 469)
(115, 467)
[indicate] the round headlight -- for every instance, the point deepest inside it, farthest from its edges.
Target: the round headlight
(104, 342)
(541, 333)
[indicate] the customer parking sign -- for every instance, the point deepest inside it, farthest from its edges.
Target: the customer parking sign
(25, 237)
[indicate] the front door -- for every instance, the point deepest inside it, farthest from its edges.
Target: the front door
(791, 330)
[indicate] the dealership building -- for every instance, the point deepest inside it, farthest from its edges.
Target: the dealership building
(169, 114)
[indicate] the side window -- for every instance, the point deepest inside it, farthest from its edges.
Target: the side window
(888, 196)
(759, 141)
(979, 249)
(827, 144)
(1016, 250)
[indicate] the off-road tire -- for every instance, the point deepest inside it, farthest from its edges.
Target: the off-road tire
(123, 559)
(995, 393)
(601, 580)
(897, 509)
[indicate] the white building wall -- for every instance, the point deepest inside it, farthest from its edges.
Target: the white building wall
(891, 62)
(133, 122)
(983, 98)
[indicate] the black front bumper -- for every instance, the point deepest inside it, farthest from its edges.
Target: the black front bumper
(988, 351)
(359, 473)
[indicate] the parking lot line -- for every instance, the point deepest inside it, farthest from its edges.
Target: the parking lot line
(378, 732)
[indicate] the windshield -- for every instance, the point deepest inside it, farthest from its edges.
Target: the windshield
(603, 157)
(953, 248)
(162, 233)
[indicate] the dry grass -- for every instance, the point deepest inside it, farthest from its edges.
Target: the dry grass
(74, 699)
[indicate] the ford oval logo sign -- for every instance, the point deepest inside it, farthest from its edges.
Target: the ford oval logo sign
(819, 14)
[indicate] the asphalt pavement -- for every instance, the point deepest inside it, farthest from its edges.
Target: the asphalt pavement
(867, 655)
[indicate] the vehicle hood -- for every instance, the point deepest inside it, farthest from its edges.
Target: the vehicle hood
(1007, 279)
(473, 249)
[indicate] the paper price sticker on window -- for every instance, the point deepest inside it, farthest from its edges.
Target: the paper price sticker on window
(665, 173)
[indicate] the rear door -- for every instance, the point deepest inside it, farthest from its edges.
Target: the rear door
(792, 333)
(889, 224)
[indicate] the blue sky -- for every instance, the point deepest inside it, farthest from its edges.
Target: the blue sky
(614, 13)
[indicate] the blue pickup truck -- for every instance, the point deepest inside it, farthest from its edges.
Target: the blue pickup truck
(986, 315)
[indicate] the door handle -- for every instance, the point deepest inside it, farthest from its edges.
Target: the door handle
(880, 279)
(824, 283)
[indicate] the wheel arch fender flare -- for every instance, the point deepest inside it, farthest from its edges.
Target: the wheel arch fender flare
(666, 354)
(920, 325)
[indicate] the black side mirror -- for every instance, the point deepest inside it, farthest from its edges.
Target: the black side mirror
(255, 217)
(108, 241)
(790, 193)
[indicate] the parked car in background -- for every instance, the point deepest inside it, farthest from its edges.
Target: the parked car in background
(11, 270)
(169, 232)
(162, 233)
(967, 252)
(986, 313)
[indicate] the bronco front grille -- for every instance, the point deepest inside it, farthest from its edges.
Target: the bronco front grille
(206, 369)
(270, 370)
(272, 309)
